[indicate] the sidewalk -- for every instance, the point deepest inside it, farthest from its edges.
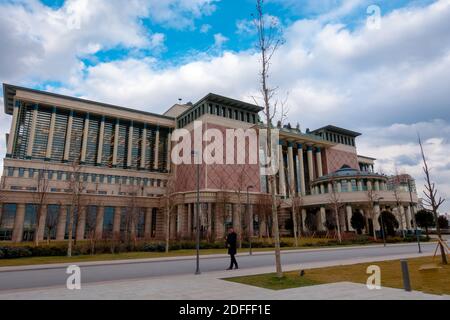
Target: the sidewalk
(184, 258)
(210, 286)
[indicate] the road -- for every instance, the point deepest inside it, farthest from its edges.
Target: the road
(56, 277)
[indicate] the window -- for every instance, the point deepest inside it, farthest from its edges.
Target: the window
(21, 172)
(110, 179)
(59, 175)
(10, 172)
(108, 222)
(7, 222)
(51, 221)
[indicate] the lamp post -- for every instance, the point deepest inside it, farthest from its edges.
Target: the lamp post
(251, 220)
(382, 223)
(414, 215)
(197, 223)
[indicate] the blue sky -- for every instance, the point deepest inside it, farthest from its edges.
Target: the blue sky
(388, 83)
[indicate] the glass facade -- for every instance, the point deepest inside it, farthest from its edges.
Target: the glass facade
(7, 221)
(42, 132)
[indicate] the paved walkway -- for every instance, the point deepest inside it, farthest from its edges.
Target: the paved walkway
(210, 286)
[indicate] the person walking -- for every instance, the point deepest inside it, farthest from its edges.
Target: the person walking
(231, 242)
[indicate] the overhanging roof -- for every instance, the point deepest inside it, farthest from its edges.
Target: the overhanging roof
(339, 130)
(9, 91)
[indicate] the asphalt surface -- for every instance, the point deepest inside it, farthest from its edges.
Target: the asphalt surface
(56, 277)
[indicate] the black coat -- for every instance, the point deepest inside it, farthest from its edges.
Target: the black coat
(232, 243)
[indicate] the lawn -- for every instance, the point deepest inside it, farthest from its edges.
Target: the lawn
(435, 282)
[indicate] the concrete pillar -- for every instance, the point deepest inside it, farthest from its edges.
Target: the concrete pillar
(32, 132)
(377, 212)
(349, 186)
(99, 222)
(319, 162)
(143, 146)
(172, 225)
(13, 130)
(281, 173)
(322, 188)
(51, 134)
(321, 219)
(169, 148)
(130, 145)
(220, 224)
(148, 223)
(349, 218)
(330, 188)
(17, 234)
(360, 185)
(369, 185)
(42, 222)
(61, 226)
(156, 151)
(116, 222)
(180, 219)
(81, 225)
(85, 139)
(303, 220)
(101, 137)
(116, 142)
(301, 170)
(310, 164)
(377, 185)
(338, 187)
(68, 137)
(291, 170)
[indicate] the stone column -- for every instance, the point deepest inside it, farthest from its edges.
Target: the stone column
(13, 130)
(130, 145)
(17, 234)
(68, 137)
(116, 222)
(303, 220)
(409, 213)
(319, 162)
(169, 148)
(148, 223)
(310, 164)
(339, 186)
(61, 226)
(99, 222)
(173, 226)
(301, 169)
(369, 185)
(100, 141)
(32, 132)
(143, 146)
(322, 218)
(349, 186)
(156, 151)
(180, 220)
(42, 222)
(376, 224)
(51, 133)
(322, 188)
(220, 225)
(116, 142)
(377, 185)
(349, 218)
(292, 187)
(281, 173)
(360, 185)
(81, 225)
(85, 139)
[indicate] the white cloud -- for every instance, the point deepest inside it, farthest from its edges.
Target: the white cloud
(205, 28)
(219, 40)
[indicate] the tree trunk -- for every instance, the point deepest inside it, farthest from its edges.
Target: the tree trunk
(294, 222)
(70, 232)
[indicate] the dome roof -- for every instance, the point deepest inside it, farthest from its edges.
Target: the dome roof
(346, 171)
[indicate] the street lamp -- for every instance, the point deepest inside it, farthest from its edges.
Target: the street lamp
(251, 220)
(414, 215)
(197, 270)
(382, 223)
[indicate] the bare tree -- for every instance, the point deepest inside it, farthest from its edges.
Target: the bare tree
(169, 206)
(76, 187)
(336, 205)
(40, 200)
(432, 200)
(295, 199)
(269, 41)
(396, 192)
(239, 189)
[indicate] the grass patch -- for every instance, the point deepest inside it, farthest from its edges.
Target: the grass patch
(434, 282)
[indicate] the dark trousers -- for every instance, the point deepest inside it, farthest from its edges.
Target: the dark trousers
(233, 262)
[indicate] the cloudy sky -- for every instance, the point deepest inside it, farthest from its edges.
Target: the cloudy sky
(388, 82)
